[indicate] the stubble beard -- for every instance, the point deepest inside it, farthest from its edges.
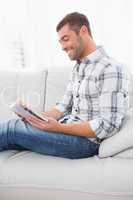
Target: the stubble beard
(77, 54)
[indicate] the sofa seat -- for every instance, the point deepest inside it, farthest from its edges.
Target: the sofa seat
(36, 176)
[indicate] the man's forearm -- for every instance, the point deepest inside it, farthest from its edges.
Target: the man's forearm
(77, 129)
(81, 129)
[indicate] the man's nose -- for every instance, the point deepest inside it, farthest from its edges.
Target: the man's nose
(64, 47)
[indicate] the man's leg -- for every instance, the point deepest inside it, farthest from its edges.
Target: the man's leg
(18, 134)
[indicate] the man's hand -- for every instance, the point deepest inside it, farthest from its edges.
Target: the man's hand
(51, 125)
(53, 112)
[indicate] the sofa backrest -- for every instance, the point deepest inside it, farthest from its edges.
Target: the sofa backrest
(57, 81)
(27, 85)
(131, 91)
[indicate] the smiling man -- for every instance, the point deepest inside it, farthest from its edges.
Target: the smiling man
(93, 106)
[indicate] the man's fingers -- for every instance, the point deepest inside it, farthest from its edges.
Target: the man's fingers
(23, 119)
(35, 124)
(34, 121)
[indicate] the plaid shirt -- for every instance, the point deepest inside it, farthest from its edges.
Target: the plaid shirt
(97, 92)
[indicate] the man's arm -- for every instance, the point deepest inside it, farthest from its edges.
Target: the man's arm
(80, 129)
(113, 101)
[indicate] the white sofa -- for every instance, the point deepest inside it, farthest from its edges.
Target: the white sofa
(26, 175)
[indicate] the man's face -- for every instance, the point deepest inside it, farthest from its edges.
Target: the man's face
(71, 42)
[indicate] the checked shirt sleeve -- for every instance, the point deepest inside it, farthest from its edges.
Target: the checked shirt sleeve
(65, 104)
(113, 101)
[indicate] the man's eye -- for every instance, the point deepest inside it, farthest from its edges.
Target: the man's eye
(65, 39)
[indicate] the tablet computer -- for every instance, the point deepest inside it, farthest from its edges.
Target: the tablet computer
(24, 112)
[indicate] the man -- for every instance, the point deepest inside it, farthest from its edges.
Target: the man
(93, 106)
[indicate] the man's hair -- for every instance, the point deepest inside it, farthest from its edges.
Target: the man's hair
(76, 21)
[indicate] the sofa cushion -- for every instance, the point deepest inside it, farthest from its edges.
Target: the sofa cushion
(121, 140)
(128, 153)
(46, 177)
(25, 84)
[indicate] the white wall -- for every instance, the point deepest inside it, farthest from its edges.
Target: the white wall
(34, 22)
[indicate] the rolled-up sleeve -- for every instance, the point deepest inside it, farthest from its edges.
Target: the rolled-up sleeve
(113, 101)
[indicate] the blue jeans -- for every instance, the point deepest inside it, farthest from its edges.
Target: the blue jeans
(16, 134)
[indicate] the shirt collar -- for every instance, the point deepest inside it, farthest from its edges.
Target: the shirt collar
(94, 56)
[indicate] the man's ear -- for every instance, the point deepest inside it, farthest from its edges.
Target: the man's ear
(83, 30)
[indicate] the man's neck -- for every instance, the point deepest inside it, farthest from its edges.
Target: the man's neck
(90, 48)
